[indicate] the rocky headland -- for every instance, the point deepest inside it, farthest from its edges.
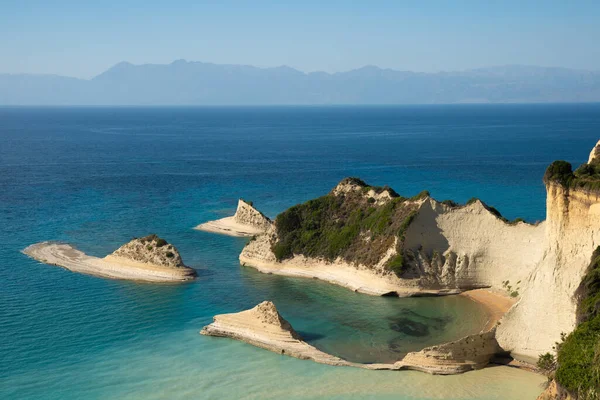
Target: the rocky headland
(374, 241)
(264, 327)
(247, 221)
(150, 259)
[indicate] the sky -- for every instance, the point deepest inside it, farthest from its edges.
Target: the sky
(83, 38)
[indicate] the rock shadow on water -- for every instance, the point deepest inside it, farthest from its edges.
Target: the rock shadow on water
(414, 324)
(311, 336)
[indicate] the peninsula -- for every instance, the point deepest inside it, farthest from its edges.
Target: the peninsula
(150, 259)
(247, 221)
(374, 241)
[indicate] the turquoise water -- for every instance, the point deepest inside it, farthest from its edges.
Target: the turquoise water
(95, 177)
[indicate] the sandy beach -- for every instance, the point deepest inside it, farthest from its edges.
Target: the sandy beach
(495, 303)
(68, 257)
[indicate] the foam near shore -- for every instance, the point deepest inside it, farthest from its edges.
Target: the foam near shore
(112, 266)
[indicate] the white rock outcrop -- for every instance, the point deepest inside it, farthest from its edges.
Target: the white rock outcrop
(247, 221)
(262, 326)
(149, 250)
(148, 259)
(595, 154)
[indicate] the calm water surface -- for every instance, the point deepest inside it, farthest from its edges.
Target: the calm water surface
(96, 177)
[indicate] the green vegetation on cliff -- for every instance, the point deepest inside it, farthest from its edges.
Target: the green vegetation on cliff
(349, 225)
(578, 356)
(587, 176)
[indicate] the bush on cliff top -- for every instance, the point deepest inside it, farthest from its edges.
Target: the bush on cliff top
(586, 177)
(578, 357)
(346, 226)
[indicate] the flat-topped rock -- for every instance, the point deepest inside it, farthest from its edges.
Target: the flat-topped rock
(247, 221)
(148, 259)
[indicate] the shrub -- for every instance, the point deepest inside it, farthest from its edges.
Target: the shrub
(421, 195)
(282, 251)
(560, 172)
(405, 224)
(578, 356)
(169, 254)
(161, 242)
(450, 203)
(547, 363)
(396, 264)
(578, 359)
(347, 225)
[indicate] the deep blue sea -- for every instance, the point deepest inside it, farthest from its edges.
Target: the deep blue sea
(96, 177)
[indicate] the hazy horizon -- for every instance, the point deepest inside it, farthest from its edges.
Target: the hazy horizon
(81, 39)
(271, 67)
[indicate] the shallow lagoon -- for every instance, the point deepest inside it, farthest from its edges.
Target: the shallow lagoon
(96, 177)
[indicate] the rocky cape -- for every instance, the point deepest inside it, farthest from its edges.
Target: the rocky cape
(149, 259)
(429, 247)
(264, 327)
(247, 221)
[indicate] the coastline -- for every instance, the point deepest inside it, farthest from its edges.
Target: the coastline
(113, 267)
(262, 326)
(357, 279)
(228, 226)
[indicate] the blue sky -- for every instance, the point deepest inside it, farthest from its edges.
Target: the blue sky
(83, 38)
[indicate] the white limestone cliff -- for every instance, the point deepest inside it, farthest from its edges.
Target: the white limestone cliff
(548, 304)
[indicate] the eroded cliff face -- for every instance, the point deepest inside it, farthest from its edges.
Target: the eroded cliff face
(246, 214)
(548, 304)
(469, 247)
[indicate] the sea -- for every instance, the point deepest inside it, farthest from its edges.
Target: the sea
(96, 177)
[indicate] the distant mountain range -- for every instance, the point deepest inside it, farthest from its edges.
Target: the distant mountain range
(198, 83)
